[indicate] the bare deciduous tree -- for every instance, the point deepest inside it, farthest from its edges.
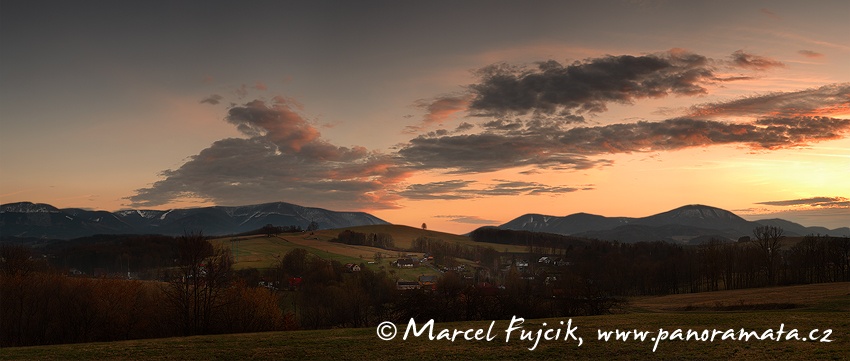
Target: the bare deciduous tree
(202, 273)
(768, 241)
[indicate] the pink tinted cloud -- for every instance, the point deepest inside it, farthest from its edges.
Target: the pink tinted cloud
(277, 122)
(754, 62)
(440, 109)
(828, 100)
(283, 158)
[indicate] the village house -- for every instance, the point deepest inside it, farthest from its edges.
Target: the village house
(428, 282)
(404, 263)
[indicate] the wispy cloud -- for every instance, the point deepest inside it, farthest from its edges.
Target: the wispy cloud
(754, 62)
(826, 100)
(459, 189)
(439, 109)
(452, 189)
(468, 219)
(810, 54)
(826, 202)
(212, 99)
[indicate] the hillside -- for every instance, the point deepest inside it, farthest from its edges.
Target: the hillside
(261, 252)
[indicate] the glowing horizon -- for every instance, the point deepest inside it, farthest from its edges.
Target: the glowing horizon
(615, 108)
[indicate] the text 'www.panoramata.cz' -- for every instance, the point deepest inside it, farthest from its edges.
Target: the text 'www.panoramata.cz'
(566, 332)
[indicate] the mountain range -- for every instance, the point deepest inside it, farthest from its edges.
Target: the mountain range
(687, 224)
(25, 219)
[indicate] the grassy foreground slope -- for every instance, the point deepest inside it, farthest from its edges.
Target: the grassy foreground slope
(830, 310)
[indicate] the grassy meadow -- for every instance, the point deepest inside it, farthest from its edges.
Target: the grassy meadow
(821, 306)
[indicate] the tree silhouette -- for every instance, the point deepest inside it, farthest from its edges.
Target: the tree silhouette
(767, 241)
(202, 275)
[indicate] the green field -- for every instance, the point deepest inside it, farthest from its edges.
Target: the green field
(404, 236)
(824, 306)
(265, 252)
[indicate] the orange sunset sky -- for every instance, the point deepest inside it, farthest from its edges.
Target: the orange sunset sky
(456, 114)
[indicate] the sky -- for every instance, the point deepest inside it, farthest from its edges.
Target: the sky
(453, 114)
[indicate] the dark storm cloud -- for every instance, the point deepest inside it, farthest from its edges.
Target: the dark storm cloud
(212, 99)
(823, 100)
(284, 159)
(827, 202)
(754, 62)
(588, 86)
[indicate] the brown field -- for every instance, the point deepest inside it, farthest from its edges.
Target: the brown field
(361, 252)
(825, 307)
(753, 298)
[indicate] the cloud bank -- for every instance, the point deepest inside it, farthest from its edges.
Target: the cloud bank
(511, 117)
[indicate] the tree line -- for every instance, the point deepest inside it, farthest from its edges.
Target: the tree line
(378, 240)
(656, 268)
(200, 295)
